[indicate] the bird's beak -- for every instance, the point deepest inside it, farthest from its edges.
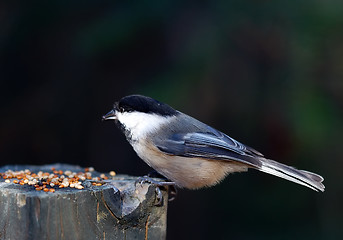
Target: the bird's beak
(110, 116)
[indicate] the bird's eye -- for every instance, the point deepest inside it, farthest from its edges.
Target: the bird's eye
(125, 109)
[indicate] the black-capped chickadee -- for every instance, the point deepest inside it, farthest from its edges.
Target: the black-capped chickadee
(189, 152)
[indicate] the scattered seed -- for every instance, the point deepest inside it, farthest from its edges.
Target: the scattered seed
(50, 181)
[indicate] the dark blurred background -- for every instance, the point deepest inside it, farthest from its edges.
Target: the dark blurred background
(268, 73)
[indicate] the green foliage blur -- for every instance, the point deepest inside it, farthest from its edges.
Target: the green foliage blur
(268, 73)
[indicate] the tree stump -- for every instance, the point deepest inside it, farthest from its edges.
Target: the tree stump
(122, 208)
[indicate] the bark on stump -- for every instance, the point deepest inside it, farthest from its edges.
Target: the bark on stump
(122, 209)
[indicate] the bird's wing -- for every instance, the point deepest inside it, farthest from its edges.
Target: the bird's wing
(209, 145)
(232, 143)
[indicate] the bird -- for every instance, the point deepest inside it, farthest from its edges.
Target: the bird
(190, 153)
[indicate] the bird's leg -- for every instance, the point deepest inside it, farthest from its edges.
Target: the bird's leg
(154, 181)
(160, 184)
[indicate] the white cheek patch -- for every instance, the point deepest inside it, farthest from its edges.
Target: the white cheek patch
(140, 124)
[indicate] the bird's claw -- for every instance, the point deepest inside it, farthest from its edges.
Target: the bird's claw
(172, 193)
(159, 197)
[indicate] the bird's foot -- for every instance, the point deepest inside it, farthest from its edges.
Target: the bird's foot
(154, 181)
(160, 185)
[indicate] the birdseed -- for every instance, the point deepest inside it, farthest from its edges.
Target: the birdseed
(52, 181)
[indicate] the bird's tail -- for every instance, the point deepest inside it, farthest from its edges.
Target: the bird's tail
(308, 179)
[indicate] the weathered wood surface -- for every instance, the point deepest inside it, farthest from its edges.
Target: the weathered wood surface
(122, 209)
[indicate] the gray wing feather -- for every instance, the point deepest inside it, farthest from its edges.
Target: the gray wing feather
(210, 145)
(234, 143)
